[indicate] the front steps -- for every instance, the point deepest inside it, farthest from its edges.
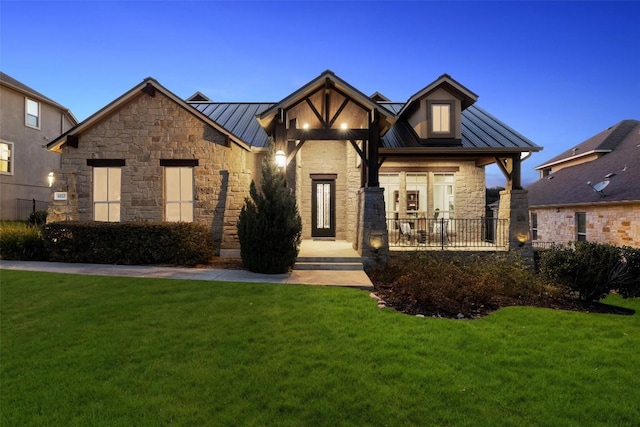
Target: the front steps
(328, 263)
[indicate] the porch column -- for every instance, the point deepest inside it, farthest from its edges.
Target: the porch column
(514, 207)
(280, 132)
(372, 240)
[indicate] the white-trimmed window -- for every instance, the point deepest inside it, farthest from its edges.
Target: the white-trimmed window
(32, 113)
(178, 184)
(6, 158)
(106, 193)
(581, 226)
(534, 226)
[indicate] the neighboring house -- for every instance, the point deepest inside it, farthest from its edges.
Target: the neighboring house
(28, 120)
(591, 192)
(150, 155)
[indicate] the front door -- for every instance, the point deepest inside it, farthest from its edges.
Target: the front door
(323, 211)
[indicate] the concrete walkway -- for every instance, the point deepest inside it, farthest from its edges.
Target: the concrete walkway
(304, 277)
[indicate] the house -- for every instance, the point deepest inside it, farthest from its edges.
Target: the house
(591, 191)
(358, 165)
(28, 120)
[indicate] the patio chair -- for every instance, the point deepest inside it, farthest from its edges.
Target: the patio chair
(440, 230)
(406, 233)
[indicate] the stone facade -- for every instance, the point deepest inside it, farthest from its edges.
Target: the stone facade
(615, 224)
(144, 131)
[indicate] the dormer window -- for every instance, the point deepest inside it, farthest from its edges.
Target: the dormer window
(441, 115)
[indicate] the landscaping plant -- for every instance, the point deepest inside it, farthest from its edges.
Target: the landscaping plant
(21, 241)
(269, 226)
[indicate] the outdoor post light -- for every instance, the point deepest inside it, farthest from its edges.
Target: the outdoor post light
(50, 179)
(281, 159)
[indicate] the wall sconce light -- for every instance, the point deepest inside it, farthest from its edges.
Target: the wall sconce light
(51, 179)
(281, 159)
(522, 236)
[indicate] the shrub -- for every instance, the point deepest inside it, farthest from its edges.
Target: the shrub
(38, 218)
(21, 241)
(630, 287)
(138, 243)
(448, 285)
(591, 270)
(269, 225)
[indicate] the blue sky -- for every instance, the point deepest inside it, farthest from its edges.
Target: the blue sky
(557, 72)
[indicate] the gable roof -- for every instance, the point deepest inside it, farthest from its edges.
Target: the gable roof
(568, 186)
(603, 142)
(267, 116)
(10, 82)
(148, 85)
(448, 83)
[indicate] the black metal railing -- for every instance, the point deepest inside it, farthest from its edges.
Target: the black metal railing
(447, 233)
(25, 207)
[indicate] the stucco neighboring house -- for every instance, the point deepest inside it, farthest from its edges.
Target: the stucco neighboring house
(358, 165)
(28, 121)
(591, 192)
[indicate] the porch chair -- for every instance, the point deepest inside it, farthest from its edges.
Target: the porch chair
(405, 232)
(440, 230)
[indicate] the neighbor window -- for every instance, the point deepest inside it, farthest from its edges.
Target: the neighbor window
(581, 226)
(106, 194)
(6, 157)
(32, 113)
(178, 194)
(534, 226)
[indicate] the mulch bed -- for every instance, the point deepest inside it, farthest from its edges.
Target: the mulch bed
(557, 302)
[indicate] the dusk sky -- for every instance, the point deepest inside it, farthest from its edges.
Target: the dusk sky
(557, 72)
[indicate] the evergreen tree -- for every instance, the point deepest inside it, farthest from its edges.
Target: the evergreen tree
(269, 226)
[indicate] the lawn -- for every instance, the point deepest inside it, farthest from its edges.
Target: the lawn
(107, 351)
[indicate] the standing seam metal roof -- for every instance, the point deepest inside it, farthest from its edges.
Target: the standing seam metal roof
(480, 130)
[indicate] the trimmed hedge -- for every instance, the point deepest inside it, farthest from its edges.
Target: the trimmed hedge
(134, 243)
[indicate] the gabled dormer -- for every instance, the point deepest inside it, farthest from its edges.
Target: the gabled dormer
(435, 112)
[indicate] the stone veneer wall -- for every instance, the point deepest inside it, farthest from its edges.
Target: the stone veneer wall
(142, 132)
(618, 225)
(323, 157)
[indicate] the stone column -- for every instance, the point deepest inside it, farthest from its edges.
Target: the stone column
(514, 207)
(372, 241)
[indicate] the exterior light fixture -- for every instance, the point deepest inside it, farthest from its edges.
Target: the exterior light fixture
(281, 159)
(51, 179)
(344, 126)
(305, 126)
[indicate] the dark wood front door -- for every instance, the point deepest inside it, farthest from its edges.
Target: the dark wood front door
(323, 209)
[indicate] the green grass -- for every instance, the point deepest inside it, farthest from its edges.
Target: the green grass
(107, 351)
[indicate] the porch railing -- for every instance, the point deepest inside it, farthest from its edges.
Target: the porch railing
(448, 233)
(25, 207)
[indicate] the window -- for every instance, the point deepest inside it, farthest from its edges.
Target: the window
(106, 194)
(441, 116)
(581, 226)
(178, 194)
(443, 194)
(534, 226)
(416, 193)
(6, 157)
(32, 113)
(391, 184)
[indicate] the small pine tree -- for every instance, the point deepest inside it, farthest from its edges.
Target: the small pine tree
(269, 226)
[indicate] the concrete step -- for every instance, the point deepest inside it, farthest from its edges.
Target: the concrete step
(329, 259)
(318, 265)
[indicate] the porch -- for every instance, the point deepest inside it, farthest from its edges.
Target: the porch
(481, 234)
